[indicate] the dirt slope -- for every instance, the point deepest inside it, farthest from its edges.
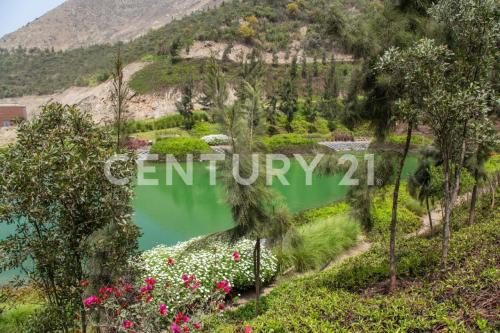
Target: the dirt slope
(78, 23)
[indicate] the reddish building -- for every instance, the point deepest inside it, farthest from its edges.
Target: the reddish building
(9, 113)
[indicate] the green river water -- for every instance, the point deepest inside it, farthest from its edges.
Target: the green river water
(170, 214)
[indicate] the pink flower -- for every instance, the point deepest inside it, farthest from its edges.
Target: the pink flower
(196, 285)
(179, 317)
(221, 306)
(185, 329)
(150, 281)
(175, 328)
(186, 319)
(236, 256)
(88, 302)
(224, 285)
(185, 277)
(149, 299)
(197, 326)
(170, 261)
(248, 329)
(128, 324)
(146, 289)
(163, 310)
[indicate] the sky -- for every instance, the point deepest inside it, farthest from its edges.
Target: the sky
(16, 13)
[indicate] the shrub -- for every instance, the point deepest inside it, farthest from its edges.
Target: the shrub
(301, 126)
(203, 129)
(321, 126)
(288, 143)
(342, 135)
(493, 164)
(180, 147)
(408, 221)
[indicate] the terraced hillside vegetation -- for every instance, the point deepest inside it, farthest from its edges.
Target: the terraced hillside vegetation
(351, 27)
(352, 298)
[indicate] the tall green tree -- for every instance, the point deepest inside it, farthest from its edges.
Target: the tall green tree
(415, 70)
(119, 98)
(55, 192)
(215, 92)
(252, 203)
(310, 111)
(289, 95)
(472, 27)
(185, 105)
(330, 93)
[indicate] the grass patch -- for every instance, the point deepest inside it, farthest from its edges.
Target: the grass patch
(17, 308)
(320, 242)
(415, 139)
(170, 121)
(315, 214)
(162, 74)
(158, 134)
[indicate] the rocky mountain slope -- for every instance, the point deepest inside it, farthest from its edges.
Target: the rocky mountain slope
(80, 23)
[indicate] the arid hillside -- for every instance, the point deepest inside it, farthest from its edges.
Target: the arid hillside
(80, 23)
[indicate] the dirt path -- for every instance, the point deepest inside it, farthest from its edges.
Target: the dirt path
(437, 217)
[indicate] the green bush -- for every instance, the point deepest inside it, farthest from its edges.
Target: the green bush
(493, 164)
(288, 143)
(204, 128)
(180, 147)
(409, 212)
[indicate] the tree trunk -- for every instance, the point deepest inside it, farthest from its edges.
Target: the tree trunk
(492, 195)
(429, 212)
(473, 200)
(458, 172)
(394, 219)
(256, 268)
(447, 213)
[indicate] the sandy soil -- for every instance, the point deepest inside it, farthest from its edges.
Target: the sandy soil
(201, 50)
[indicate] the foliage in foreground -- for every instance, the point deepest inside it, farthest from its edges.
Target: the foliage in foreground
(350, 297)
(71, 222)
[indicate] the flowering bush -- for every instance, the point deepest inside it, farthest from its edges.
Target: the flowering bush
(216, 139)
(215, 261)
(181, 283)
(123, 307)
